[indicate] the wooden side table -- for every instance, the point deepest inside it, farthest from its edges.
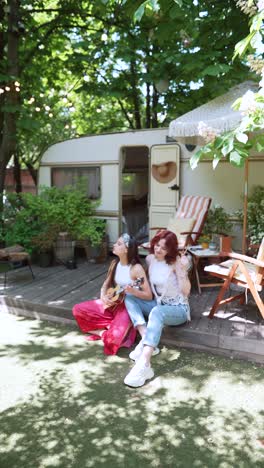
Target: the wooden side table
(197, 254)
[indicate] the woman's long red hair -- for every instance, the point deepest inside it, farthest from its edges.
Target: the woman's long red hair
(171, 244)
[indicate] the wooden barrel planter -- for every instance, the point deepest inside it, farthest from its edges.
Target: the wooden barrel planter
(64, 248)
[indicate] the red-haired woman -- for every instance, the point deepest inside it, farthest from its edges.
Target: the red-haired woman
(168, 276)
(103, 318)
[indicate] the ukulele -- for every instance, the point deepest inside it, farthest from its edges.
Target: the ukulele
(116, 294)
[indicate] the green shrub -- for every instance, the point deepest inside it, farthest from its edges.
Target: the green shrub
(34, 221)
(23, 219)
(217, 222)
(255, 214)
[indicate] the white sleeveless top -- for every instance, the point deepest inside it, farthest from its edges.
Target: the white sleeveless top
(122, 275)
(165, 284)
(159, 274)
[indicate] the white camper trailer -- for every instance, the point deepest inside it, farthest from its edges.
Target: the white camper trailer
(117, 167)
(120, 171)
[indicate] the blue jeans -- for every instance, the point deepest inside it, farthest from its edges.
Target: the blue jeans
(158, 316)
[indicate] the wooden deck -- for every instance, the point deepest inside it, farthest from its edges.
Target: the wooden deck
(236, 331)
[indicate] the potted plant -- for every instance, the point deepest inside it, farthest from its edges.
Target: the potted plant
(93, 238)
(43, 244)
(55, 218)
(73, 214)
(204, 241)
(218, 225)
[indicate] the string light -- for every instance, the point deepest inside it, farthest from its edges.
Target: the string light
(51, 92)
(32, 99)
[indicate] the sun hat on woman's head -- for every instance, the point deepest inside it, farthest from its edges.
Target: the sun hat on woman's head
(164, 172)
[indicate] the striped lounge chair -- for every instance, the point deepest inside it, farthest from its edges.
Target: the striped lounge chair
(196, 208)
(188, 221)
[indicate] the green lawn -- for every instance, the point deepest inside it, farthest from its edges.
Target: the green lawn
(63, 404)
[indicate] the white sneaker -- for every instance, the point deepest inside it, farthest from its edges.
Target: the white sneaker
(138, 375)
(136, 353)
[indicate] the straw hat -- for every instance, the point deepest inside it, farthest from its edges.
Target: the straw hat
(164, 172)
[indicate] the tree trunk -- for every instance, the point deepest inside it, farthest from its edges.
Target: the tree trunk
(148, 97)
(155, 100)
(136, 99)
(17, 174)
(148, 113)
(8, 143)
(33, 172)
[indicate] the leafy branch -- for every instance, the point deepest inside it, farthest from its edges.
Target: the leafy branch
(237, 144)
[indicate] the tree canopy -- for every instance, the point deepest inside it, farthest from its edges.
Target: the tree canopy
(68, 68)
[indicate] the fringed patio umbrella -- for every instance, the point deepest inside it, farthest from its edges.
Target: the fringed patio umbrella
(218, 116)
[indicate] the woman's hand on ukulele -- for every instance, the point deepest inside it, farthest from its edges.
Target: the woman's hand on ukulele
(129, 289)
(107, 300)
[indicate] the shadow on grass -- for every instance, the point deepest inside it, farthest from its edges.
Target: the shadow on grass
(67, 352)
(81, 415)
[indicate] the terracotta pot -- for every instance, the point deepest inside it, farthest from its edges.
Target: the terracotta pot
(225, 243)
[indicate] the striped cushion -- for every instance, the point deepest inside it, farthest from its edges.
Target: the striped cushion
(192, 206)
(180, 225)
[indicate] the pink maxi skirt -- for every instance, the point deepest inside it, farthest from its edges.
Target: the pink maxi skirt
(91, 315)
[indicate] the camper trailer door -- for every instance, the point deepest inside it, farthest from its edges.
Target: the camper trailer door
(164, 184)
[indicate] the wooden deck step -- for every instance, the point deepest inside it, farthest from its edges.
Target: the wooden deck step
(235, 331)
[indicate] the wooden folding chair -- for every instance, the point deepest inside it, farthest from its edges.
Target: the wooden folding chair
(242, 270)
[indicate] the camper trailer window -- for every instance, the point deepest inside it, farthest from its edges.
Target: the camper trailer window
(62, 176)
